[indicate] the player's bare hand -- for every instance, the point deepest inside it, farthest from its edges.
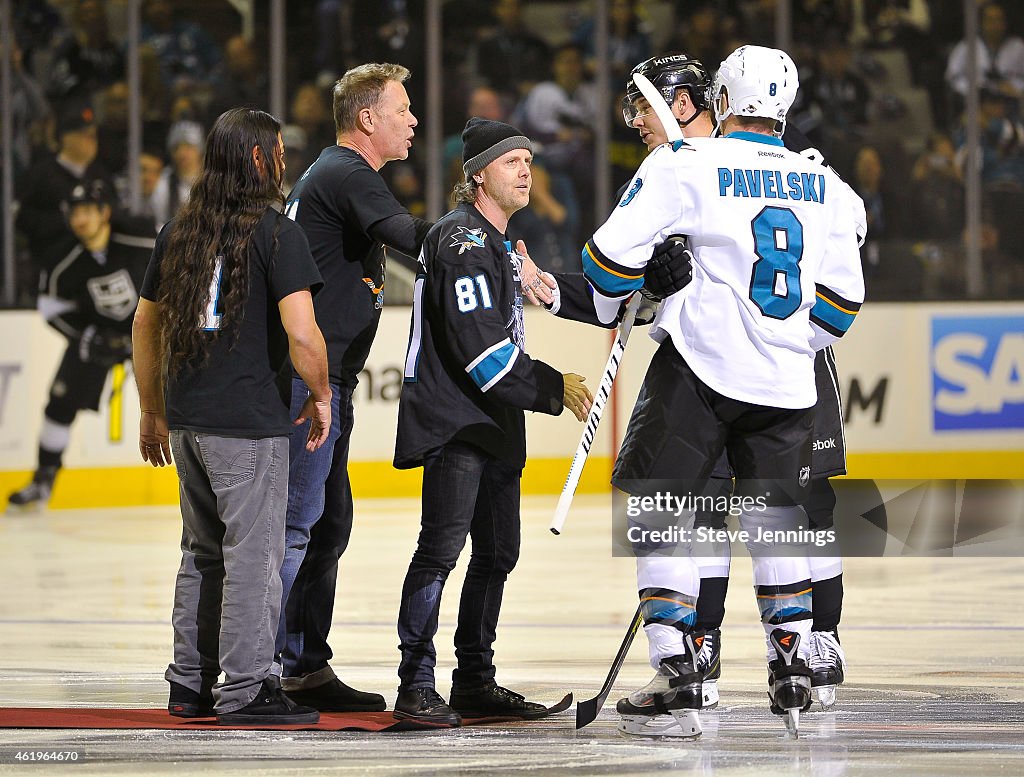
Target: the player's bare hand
(318, 413)
(536, 284)
(575, 395)
(154, 442)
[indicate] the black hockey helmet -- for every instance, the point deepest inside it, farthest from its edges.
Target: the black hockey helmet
(668, 72)
(95, 191)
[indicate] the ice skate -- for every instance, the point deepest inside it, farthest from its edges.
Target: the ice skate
(669, 705)
(789, 680)
(828, 664)
(36, 495)
(709, 664)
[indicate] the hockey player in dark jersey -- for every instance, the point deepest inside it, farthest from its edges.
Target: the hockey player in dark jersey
(468, 380)
(89, 296)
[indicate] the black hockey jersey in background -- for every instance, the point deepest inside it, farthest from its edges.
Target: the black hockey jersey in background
(467, 374)
(83, 289)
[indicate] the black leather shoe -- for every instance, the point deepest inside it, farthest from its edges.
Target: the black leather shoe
(425, 705)
(335, 696)
(492, 699)
(183, 702)
(270, 707)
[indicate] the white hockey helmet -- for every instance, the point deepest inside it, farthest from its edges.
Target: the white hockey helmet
(758, 81)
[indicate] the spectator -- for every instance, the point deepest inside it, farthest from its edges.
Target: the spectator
(185, 144)
(938, 191)
(241, 79)
(558, 114)
(186, 53)
(485, 103)
(296, 154)
(29, 110)
(112, 129)
(50, 180)
(87, 59)
(36, 25)
(511, 59)
(1002, 142)
(311, 113)
(833, 103)
(628, 39)
(1000, 58)
(701, 32)
(867, 182)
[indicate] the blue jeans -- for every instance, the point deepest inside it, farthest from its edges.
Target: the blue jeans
(465, 492)
(317, 530)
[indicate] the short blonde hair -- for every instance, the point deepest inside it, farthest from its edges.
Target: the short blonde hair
(362, 87)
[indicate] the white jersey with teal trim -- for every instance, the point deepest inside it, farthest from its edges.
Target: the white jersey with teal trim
(776, 269)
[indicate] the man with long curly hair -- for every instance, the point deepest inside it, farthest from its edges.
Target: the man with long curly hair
(227, 296)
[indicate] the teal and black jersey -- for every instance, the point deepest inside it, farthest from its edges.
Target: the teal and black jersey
(467, 374)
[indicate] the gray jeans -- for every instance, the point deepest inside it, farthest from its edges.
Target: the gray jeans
(227, 597)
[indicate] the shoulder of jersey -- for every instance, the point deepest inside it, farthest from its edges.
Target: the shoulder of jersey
(461, 238)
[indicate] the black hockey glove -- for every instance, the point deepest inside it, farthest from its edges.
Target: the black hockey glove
(103, 348)
(670, 268)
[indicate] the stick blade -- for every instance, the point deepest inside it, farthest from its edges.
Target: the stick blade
(586, 711)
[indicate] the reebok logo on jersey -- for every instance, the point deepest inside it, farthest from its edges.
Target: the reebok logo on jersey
(467, 239)
(824, 445)
(632, 192)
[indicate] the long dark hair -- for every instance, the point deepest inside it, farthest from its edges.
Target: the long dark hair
(226, 203)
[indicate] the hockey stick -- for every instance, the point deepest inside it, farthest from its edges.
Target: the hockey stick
(586, 711)
(659, 106)
(604, 390)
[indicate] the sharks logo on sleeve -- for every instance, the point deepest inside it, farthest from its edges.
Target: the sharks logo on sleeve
(467, 239)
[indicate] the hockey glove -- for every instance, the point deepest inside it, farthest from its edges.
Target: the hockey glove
(103, 348)
(670, 268)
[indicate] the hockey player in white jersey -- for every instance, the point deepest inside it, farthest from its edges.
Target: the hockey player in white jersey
(776, 276)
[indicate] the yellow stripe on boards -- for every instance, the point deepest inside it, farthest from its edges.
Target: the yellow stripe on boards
(144, 485)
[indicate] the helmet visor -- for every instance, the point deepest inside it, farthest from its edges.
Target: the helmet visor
(636, 108)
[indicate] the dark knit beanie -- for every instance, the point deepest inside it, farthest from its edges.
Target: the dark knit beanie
(484, 141)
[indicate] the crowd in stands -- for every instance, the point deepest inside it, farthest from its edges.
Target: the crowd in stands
(905, 156)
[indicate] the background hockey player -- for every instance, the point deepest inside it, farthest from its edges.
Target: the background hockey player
(746, 382)
(468, 380)
(89, 296)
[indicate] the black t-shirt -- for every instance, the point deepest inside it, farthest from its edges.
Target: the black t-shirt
(234, 393)
(337, 202)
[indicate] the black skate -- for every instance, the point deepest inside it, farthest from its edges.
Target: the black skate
(709, 663)
(789, 680)
(669, 705)
(828, 664)
(36, 495)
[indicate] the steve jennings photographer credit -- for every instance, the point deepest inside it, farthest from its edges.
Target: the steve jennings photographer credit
(872, 518)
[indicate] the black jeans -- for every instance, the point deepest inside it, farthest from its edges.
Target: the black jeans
(465, 492)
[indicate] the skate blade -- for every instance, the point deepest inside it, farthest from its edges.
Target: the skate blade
(710, 691)
(825, 695)
(681, 724)
(792, 718)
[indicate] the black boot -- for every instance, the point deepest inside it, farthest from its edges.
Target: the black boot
(335, 696)
(425, 705)
(183, 702)
(270, 707)
(491, 699)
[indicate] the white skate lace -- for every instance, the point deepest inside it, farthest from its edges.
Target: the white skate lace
(706, 653)
(825, 651)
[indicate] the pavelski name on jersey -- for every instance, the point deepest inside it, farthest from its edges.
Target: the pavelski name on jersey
(770, 185)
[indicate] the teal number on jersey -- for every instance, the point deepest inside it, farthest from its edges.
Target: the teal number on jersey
(779, 245)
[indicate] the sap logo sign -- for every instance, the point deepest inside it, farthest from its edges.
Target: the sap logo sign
(978, 372)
